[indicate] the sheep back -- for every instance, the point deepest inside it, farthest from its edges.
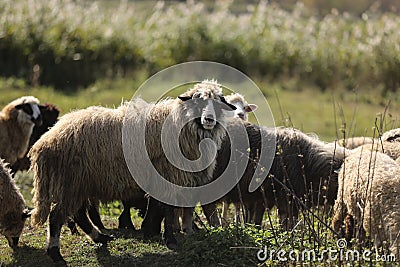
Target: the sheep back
(369, 185)
(80, 158)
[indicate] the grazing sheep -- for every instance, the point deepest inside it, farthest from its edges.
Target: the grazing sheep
(17, 120)
(354, 142)
(13, 212)
(49, 115)
(81, 160)
(302, 169)
(368, 195)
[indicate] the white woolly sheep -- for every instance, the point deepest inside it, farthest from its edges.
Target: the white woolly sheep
(81, 158)
(369, 188)
(13, 212)
(17, 120)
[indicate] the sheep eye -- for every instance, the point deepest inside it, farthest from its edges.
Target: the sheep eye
(197, 95)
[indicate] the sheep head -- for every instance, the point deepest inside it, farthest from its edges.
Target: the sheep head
(242, 107)
(205, 103)
(12, 224)
(25, 110)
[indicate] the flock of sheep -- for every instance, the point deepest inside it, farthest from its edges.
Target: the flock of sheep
(78, 161)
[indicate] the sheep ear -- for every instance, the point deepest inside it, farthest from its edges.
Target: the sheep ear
(250, 107)
(184, 97)
(228, 105)
(26, 213)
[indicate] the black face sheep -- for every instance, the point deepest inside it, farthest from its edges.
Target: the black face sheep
(49, 115)
(368, 196)
(302, 170)
(81, 160)
(17, 120)
(12, 208)
(241, 112)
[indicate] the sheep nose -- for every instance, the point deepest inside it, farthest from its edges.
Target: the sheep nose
(209, 118)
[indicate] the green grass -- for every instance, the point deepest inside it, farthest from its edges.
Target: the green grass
(306, 108)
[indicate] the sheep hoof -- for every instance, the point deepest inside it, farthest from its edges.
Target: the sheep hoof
(172, 244)
(55, 255)
(188, 231)
(170, 241)
(104, 239)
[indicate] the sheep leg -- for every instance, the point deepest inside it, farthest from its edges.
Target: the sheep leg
(349, 225)
(72, 226)
(178, 213)
(87, 226)
(237, 213)
(187, 220)
(288, 213)
(94, 215)
(211, 213)
(56, 220)
(225, 210)
(151, 224)
(124, 220)
(169, 238)
(258, 215)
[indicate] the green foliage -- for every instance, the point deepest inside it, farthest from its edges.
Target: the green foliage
(71, 44)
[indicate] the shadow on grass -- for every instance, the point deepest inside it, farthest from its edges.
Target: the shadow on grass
(142, 254)
(104, 258)
(29, 256)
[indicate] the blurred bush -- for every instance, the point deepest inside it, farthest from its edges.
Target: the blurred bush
(69, 44)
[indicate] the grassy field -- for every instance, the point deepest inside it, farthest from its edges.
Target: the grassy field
(310, 110)
(295, 105)
(331, 74)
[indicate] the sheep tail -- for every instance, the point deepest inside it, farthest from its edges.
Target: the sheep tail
(42, 194)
